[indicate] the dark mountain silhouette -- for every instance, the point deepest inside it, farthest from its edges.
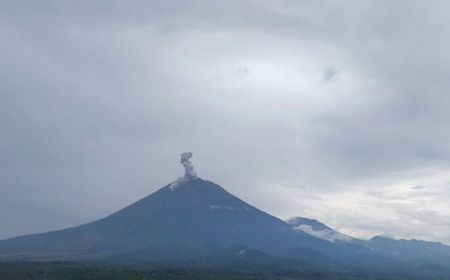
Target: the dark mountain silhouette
(192, 219)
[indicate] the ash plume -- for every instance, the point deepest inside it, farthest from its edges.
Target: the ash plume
(189, 171)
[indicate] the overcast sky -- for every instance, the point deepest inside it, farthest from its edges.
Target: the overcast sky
(334, 110)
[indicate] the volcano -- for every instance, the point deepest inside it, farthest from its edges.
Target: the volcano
(188, 218)
(193, 221)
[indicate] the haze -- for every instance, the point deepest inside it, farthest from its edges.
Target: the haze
(336, 111)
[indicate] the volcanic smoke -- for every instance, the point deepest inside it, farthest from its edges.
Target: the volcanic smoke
(189, 171)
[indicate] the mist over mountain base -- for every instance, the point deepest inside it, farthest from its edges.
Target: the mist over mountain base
(148, 271)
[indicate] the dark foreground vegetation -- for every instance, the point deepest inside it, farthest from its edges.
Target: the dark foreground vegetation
(86, 271)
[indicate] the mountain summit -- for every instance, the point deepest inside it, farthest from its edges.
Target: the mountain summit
(318, 229)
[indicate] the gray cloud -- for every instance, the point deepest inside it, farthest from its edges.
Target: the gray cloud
(98, 99)
(329, 73)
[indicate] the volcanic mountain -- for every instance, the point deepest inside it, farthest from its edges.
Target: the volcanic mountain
(186, 219)
(194, 221)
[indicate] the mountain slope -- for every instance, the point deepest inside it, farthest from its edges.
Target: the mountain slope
(420, 253)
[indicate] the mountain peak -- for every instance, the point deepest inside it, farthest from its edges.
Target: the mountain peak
(317, 229)
(315, 224)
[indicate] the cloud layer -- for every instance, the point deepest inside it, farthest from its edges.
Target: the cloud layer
(336, 110)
